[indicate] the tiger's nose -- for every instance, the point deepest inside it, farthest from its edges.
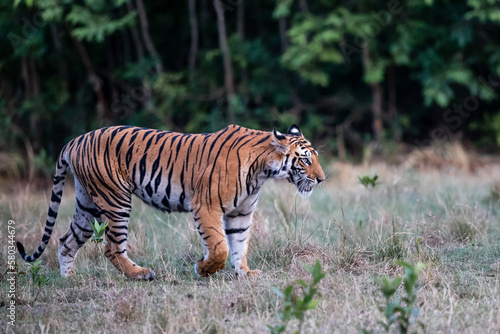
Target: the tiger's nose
(319, 179)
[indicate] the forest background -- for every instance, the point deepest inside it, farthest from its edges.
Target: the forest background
(358, 76)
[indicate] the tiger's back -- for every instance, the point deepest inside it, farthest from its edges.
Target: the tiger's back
(164, 168)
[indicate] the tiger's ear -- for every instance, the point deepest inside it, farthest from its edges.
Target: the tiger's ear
(294, 130)
(279, 142)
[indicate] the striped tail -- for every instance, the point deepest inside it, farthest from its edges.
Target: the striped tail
(55, 200)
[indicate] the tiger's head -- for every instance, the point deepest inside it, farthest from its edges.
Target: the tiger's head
(297, 159)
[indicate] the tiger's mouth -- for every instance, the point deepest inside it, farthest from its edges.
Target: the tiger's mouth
(305, 187)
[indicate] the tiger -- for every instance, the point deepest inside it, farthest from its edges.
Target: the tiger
(217, 177)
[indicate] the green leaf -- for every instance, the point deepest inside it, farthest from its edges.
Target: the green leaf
(302, 283)
(389, 287)
(312, 304)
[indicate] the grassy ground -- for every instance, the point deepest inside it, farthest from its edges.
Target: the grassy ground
(448, 220)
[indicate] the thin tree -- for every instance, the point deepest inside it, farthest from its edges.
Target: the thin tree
(146, 37)
(240, 19)
(377, 96)
(228, 69)
(283, 35)
(93, 77)
(135, 36)
(193, 22)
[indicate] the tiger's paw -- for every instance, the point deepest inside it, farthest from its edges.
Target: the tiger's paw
(251, 274)
(143, 274)
(65, 273)
(202, 270)
(255, 274)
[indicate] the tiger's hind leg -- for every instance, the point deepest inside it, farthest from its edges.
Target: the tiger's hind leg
(116, 235)
(116, 248)
(79, 231)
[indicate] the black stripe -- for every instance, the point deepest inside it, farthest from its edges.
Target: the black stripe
(239, 215)
(52, 213)
(128, 157)
(158, 180)
(215, 247)
(58, 179)
(148, 144)
(261, 141)
(169, 181)
(236, 230)
(142, 168)
(149, 190)
(119, 145)
(120, 227)
(92, 211)
(166, 204)
(78, 241)
(117, 234)
(45, 238)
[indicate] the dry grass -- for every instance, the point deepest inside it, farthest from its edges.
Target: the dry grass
(454, 214)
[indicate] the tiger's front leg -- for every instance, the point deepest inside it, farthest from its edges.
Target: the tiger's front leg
(209, 225)
(237, 228)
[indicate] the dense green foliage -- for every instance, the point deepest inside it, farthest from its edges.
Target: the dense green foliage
(348, 72)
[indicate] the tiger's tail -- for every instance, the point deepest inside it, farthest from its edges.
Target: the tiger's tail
(55, 200)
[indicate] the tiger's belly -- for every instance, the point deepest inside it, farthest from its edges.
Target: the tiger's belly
(167, 199)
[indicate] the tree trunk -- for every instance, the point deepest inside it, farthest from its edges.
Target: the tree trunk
(377, 97)
(228, 69)
(94, 79)
(62, 64)
(283, 36)
(127, 54)
(204, 19)
(135, 36)
(240, 28)
(303, 6)
(35, 79)
(110, 68)
(193, 22)
(378, 128)
(26, 77)
(240, 19)
(147, 38)
(393, 108)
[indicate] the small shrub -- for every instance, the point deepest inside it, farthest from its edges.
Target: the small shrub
(99, 230)
(293, 305)
(37, 280)
(400, 311)
(368, 181)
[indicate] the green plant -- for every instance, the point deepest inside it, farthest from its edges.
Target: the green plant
(99, 230)
(368, 181)
(37, 279)
(400, 310)
(293, 305)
